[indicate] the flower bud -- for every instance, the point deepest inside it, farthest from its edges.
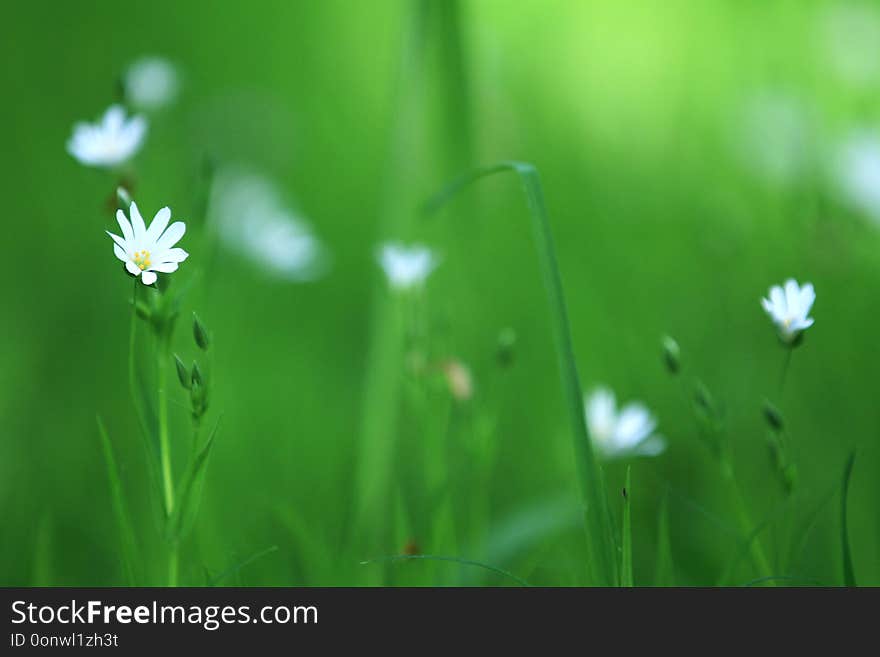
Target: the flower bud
(506, 348)
(459, 380)
(200, 333)
(196, 376)
(123, 199)
(773, 417)
(671, 355)
(182, 374)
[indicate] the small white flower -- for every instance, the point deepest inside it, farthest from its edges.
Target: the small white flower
(109, 143)
(857, 172)
(629, 432)
(406, 266)
(151, 83)
(789, 308)
(146, 251)
(254, 220)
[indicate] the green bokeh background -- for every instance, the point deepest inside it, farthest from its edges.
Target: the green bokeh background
(359, 110)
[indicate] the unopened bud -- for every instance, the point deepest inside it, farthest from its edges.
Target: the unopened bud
(196, 376)
(671, 355)
(123, 199)
(182, 374)
(773, 417)
(506, 349)
(459, 380)
(200, 333)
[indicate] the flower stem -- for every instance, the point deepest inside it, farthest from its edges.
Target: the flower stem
(785, 363)
(163, 355)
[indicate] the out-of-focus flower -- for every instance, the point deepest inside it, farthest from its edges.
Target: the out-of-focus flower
(146, 251)
(789, 308)
(459, 379)
(254, 220)
(851, 40)
(111, 142)
(151, 83)
(627, 432)
(406, 266)
(857, 172)
(774, 136)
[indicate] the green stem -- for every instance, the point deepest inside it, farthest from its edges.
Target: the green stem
(173, 565)
(785, 364)
(756, 550)
(163, 355)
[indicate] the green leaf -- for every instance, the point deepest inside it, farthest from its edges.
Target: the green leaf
(626, 561)
(462, 562)
(664, 570)
(849, 577)
(120, 508)
(190, 490)
(600, 533)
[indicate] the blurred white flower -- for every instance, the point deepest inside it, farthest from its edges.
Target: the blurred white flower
(857, 172)
(151, 83)
(146, 251)
(851, 39)
(112, 141)
(254, 220)
(773, 136)
(628, 432)
(406, 266)
(789, 308)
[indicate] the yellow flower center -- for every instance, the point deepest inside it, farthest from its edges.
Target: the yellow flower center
(142, 259)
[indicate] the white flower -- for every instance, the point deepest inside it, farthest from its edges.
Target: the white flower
(858, 172)
(111, 142)
(789, 308)
(146, 251)
(254, 220)
(406, 266)
(151, 83)
(629, 432)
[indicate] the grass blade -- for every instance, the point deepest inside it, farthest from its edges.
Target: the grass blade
(256, 556)
(600, 535)
(462, 562)
(664, 571)
(120, 508)
(190, 491)
(849, 576)
(626, 558)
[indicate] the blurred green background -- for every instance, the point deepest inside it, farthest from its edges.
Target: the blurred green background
(692, 153)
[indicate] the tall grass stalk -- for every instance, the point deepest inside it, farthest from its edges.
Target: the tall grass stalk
(406, 168)
(600, 534)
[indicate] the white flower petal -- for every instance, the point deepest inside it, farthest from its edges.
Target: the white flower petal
(124, 226)
(808, 297)
(121, 242)
(132, 268)
(171, 236)
(792, 298)
(159, 224)
(634, 424)
(777, 298)
(174, 255)
(148, 277)
(165, 267)
(137, 222)
(120, 253)
(652, 446)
